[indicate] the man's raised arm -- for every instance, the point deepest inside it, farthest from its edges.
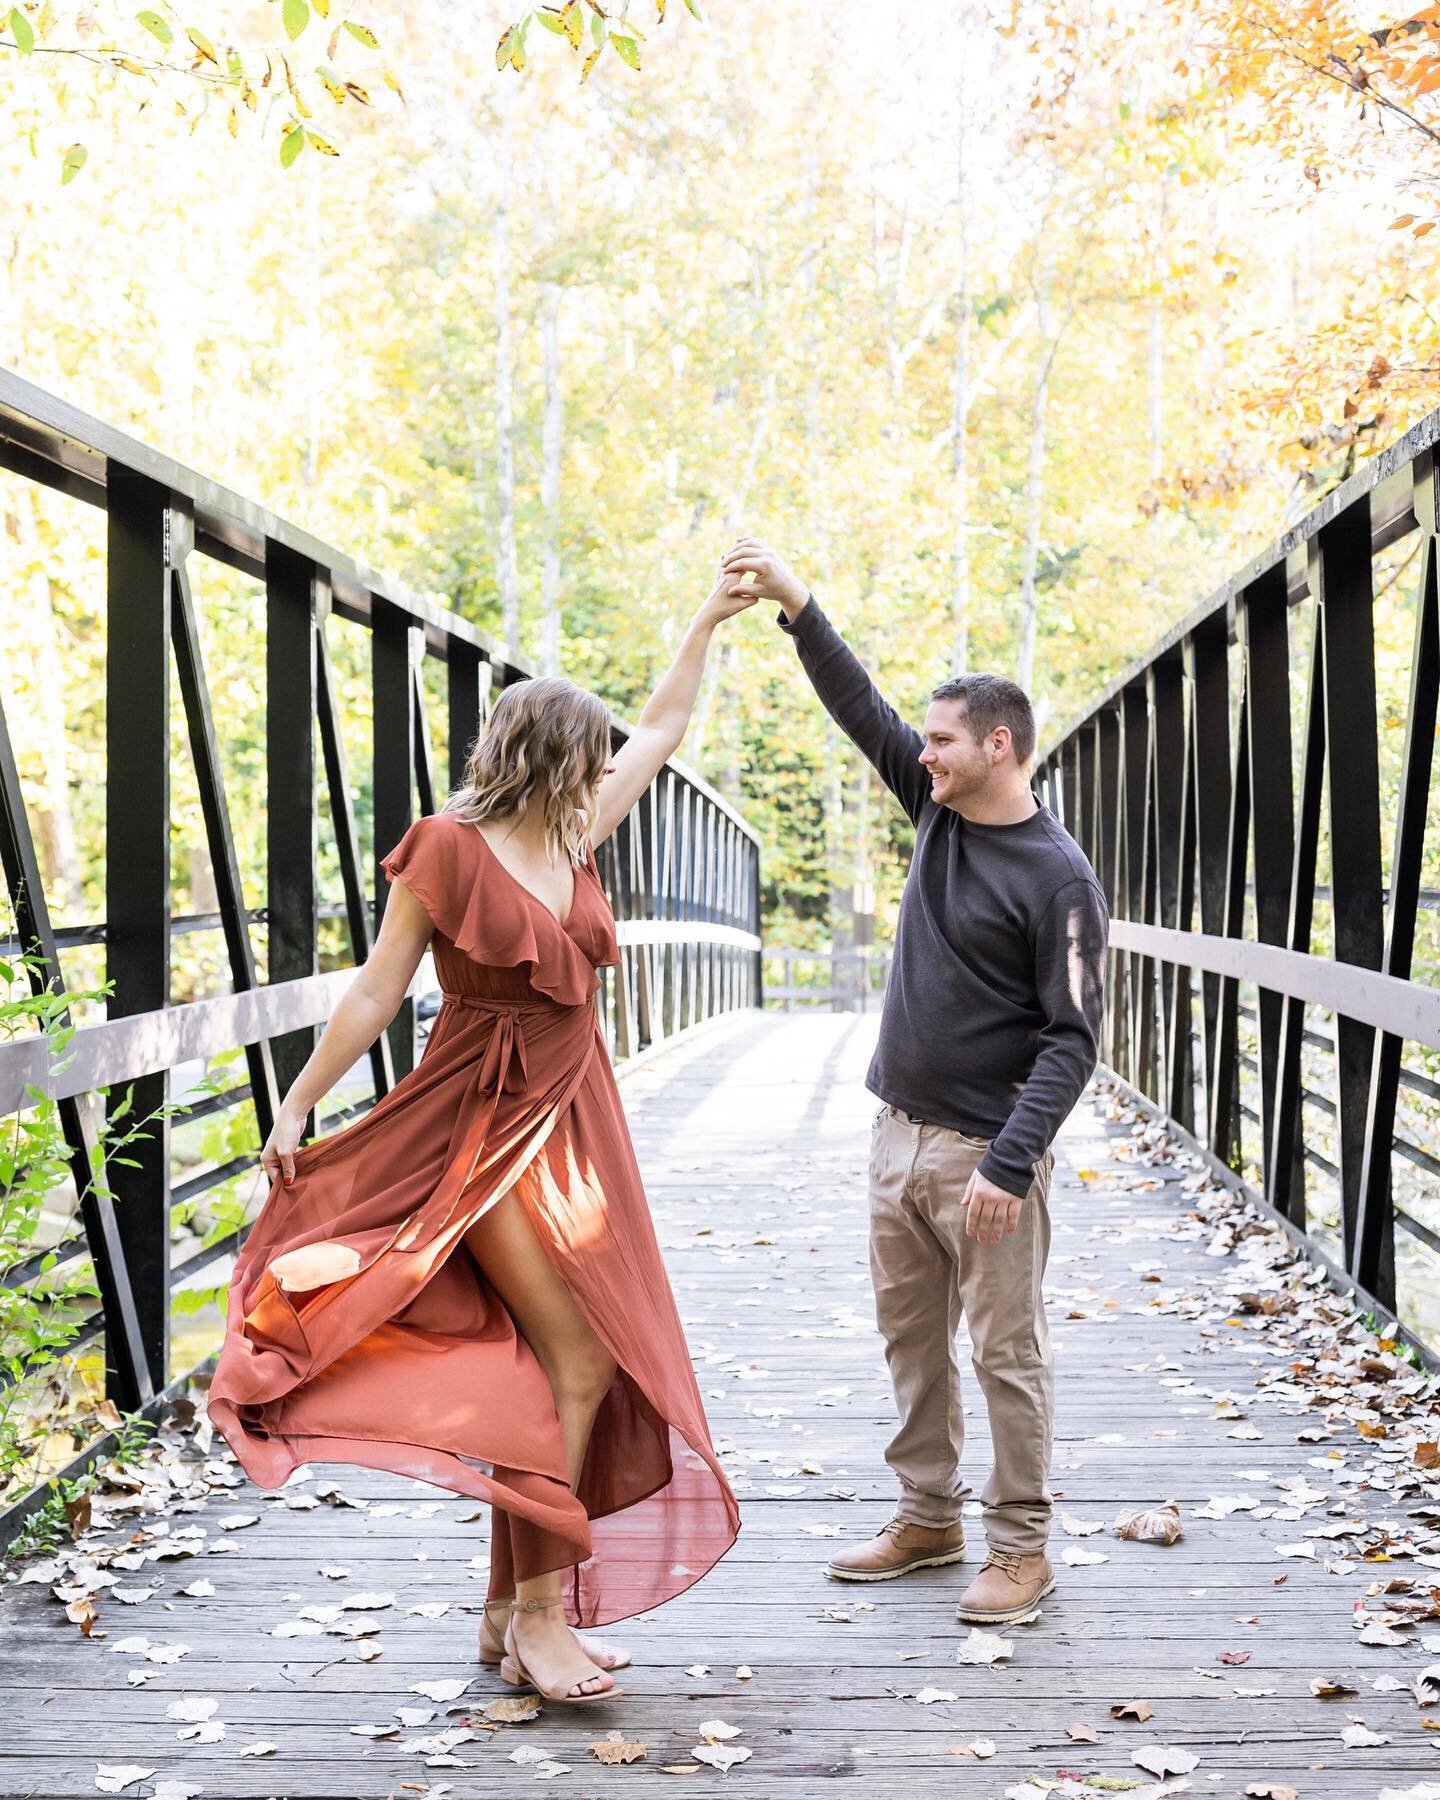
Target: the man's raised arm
(836, 674)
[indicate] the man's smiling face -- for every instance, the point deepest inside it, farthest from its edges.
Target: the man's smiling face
(958, 767)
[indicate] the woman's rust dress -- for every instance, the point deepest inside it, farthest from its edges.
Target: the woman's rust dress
(400, 1356)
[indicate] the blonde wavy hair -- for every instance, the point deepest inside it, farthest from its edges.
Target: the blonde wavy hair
(546, 736)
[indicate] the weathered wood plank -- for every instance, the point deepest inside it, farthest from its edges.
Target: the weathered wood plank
(753, 1144)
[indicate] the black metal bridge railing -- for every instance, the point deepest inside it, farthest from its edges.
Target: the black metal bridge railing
(1254, 795)
(682, 871)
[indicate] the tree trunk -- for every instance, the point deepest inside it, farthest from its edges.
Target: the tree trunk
(507, 568)
(724, 663)
(552, 452)
(1035, 489)
(41, 705)
(960, 473)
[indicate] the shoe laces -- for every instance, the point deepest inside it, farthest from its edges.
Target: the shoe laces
(1007, 1561)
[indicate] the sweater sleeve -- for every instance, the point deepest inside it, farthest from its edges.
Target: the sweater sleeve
(852, 700)
(1071, 935)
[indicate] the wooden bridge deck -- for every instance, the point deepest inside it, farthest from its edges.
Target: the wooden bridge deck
(753, 1141)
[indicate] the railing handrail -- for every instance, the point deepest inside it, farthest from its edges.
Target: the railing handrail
(1386, 475)
(79, 450)
(681, 869)
(1198, 786)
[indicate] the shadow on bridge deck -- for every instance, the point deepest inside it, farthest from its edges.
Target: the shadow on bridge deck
(753, 1138)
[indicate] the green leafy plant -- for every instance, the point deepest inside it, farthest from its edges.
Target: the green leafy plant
(39, 1314)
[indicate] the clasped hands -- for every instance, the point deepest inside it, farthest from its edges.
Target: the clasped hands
(750, 571)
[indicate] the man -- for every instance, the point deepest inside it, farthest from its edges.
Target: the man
(987, 1038)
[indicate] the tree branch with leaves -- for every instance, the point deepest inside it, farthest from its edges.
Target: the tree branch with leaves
(262, 78)
(587, 27)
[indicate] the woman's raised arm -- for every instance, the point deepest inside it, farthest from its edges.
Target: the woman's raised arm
(666, 714)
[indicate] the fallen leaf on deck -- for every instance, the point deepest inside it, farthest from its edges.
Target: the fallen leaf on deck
(1164, 1759)
(1325, 1687)
(1271, 1790)
(984, 1647)
(720, 1756)
(208, 1731)
(1150, 1524)
(1360, 1737)
(979, 1748)
(1082, 1733)
(929, 1695)
(440, 1690)
(1078, 1558)
(713, 1729)
(113, 1778)
(616, 1750)
(192, 1711)
(1140, 1710)
(512, 1712)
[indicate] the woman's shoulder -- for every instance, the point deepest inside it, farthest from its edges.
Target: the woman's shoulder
(438, 828)
(429, 852)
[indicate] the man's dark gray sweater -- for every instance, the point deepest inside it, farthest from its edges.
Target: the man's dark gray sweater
(992, 1014)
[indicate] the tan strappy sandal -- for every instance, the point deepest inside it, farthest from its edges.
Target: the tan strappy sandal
(595, 1648)
(513, 1670)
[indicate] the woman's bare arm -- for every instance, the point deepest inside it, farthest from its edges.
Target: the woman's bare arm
(666, 714)
(367, 1006)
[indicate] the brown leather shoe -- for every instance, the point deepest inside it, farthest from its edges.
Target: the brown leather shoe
(900, 1547)
(1008, 1587)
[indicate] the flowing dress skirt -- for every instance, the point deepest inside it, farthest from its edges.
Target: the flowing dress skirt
(386, 1347)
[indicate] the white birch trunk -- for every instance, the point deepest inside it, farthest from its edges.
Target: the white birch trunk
(959, 466)
(552, 454)
(507, 568)
(1035, 490)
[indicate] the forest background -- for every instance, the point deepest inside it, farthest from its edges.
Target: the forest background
(1017, 327)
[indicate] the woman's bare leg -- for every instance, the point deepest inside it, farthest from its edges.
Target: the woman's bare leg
(580, 1370)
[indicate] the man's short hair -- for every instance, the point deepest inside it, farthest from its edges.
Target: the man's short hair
(991, 700)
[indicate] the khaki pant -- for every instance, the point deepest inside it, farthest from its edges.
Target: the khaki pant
(927, 1273)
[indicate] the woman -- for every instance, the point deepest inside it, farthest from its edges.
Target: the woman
(464, 1285)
